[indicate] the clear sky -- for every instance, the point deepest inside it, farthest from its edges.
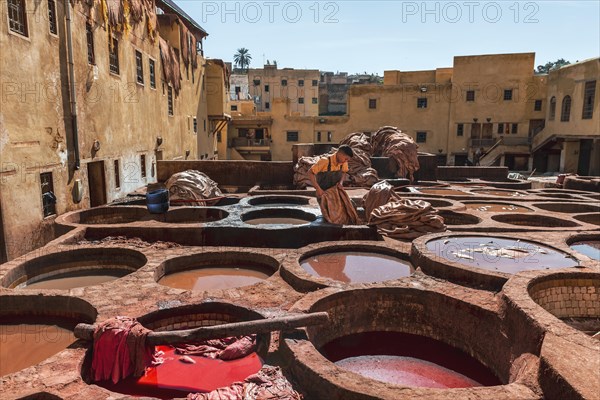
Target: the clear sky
(373, 36)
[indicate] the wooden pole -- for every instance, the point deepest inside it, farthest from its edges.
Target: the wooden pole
(86, 331)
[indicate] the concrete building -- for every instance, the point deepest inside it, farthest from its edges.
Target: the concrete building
(570, 141)
(333, 90)
(273, 93)
(498, 101)
(333, 93)
(239, 87)
(299, 86)
(249, 133)
(94, 103)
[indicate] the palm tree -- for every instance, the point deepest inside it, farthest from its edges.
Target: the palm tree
(242, 58)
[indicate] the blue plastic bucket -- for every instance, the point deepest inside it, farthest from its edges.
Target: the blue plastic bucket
(157, 201)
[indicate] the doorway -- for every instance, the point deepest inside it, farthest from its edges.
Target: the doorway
(97, 183)
(475, 131)
(487, 131)
(585, 157)
(3, 250)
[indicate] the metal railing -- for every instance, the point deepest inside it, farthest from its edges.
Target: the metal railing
(505, 140)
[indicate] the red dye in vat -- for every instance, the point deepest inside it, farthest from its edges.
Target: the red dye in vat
(407, 360)
(175, 378)
(406, 371)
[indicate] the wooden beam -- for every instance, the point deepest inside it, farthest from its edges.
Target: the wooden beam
(86, 331)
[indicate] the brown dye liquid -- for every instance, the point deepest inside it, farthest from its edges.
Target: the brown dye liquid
(211, 278)
(407, 360)
(357, 267)
(499, 193)
(496, 207)
(277, 221)
(67, 281)
(590, 248)
(443, 192)
(24, 345)
(499, 254)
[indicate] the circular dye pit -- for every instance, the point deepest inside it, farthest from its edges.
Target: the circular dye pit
(108, 215)
(407, 360)
(561, 191)
(24, 345)
(188, 215)
(500, 193)
(174, 378)
(207, 278)
(213, 271)
(442, 192)
(568, 207)
(436, 203)
(381, 340)
(34, 328)
(534, 220)
(558, 195)
(72, 280)
(497, 207)
(278, 216)
(590, 248)
(357, 267)
(278, 201)
(277, 221)
(593, 218)
(575, 300)
(127, 214)
(228, 201)
(74, 268)
(454, 218)
(499, 254)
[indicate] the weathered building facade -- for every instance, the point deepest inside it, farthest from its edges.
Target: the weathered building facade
(214, 136)
(299, 86)
(239, 87)
(333, 93)
(92, 95)
(570, 141)
(492, 102)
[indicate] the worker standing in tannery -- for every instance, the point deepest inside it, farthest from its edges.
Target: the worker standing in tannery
(330, 171)
(327, 177)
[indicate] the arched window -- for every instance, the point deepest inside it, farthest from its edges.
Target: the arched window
(565, 112)
(552, 108)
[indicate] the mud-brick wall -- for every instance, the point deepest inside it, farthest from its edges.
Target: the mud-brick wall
(234, 173)
(569, 297)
